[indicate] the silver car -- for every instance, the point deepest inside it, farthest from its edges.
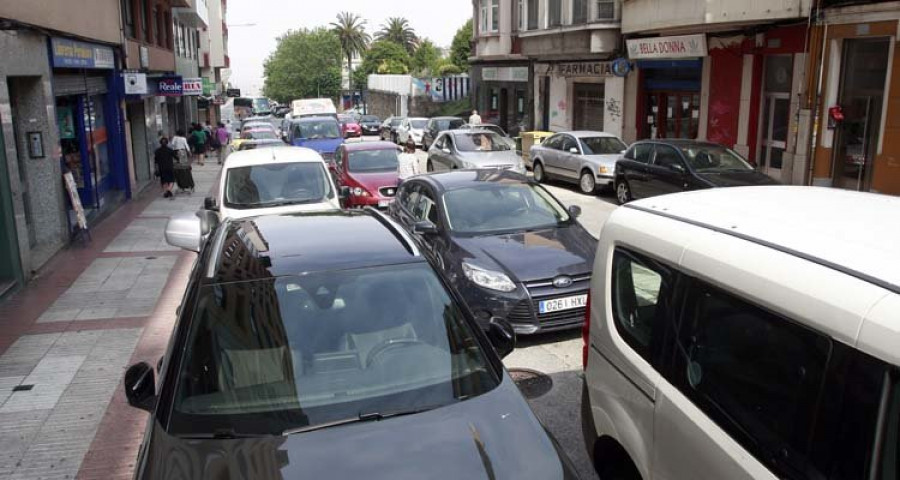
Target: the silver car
(586, 158)
(472, 148)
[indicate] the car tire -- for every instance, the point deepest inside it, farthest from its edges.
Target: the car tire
(538, 170)
(587, 183)
(623, 192)
(429, 167)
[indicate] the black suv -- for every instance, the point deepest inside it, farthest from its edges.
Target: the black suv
(337, 354)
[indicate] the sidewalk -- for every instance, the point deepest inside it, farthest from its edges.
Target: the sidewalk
(68, 336)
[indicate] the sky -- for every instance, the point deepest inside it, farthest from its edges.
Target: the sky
(255, 24)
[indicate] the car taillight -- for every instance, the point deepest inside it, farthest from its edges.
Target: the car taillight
(586, 333)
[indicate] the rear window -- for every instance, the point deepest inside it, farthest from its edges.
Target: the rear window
(276, 185)
(374, 161)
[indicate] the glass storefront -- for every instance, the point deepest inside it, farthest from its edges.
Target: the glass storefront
(671, 98)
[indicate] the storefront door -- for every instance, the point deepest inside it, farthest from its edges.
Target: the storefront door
(776, 114)
(861, 96)
(673, 114)
(10, 272)
(589, 106)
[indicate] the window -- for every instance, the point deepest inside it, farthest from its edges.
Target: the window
(606, 10)
(757, 375)
(368, 161)
(532, 14)
(889, 467)
(154, 25)
(274, 185)
(554, 13)
(483, 19)
(641, 152)
(579, 11)
(639, 299)
(667, 156)
(520, 15)
(568, 143)
(498, 207)
(409, 196)
(554, 143)
(145, 25)
(128, 18)
(426, 208)
(602, 145)
(495, 15)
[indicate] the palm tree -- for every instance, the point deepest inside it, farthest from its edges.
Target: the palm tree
(397, 30)
(350, 30)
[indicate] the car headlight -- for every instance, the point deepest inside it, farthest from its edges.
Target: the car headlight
(359, 192)
(603, 169)
(487, 278)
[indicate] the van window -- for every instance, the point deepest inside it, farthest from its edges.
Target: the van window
(756, 374)
(890, 457)
(638, 290)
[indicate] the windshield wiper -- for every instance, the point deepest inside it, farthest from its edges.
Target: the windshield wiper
(361, 418)
(222, 434)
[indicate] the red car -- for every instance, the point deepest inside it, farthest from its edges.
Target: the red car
(349, 126)
(370, 171)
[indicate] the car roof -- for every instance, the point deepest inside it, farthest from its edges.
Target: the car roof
(447, 118)
(288, 245)
(417, 118)
(446, 181)
(589, 134)
(362, 146)
(286, 154)
(679, 142)
(844, 230)
(313, 118)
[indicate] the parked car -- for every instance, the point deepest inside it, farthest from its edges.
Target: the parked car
(389, 129)
(371, 125)
(436, 125)
(658, 167)
(369, 170)
(254, 144)
(325, 356)
(322, 134)
(472, 148)
(496, 129)
(746, 333)
(509, 247)
(411, 128)
(254, 132)
(586, 158)
(349, 127)
(273, 181)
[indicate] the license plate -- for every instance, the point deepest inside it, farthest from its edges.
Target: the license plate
(565, 303)
(384, 203)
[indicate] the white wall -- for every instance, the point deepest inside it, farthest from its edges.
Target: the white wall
(216, 40)
(648, 15)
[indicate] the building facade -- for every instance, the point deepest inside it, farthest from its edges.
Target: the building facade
(188, 22)
(214, 62)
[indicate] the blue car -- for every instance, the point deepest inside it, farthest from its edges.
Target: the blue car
(322, 134)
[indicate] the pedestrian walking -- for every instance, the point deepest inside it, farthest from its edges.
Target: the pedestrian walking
(179, 143)
(165, 158)
(475, 118)
(223, 138)
(198, 144)
(408, 161)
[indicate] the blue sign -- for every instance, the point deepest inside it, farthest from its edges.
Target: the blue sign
(170, 86)
(621, 67)
(74, 54)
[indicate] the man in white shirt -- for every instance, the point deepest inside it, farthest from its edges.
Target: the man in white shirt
(409, 162)
(475, 119)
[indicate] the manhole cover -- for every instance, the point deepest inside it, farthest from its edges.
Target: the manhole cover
(531, 383)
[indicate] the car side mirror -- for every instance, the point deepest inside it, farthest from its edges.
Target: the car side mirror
(676, 167)
(502, 336)
(623, 152)
(573, 151)
(140, 386)
(425, 227)
(209, 203)
(185, 231)
(574, 211)
(209, 220)
(344, 192)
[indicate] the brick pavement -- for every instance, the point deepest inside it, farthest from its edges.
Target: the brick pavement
(68, 336)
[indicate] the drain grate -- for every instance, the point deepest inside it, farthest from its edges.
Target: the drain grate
(22, 388)
(531, 383)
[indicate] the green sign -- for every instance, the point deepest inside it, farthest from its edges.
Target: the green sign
(208, 87)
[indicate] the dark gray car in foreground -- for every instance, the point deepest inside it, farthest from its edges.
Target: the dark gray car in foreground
(339, 355)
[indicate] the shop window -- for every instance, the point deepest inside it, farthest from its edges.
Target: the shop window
(554, 13)
(533, 14)
(579, 11)
(128, 18)
(606, 10)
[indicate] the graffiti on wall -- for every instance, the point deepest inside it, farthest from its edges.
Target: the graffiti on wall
(614, 108)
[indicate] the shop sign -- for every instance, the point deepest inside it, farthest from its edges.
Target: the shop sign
(74, 54)
(233, 92)
(169, 87)
(504, 74)
(582, 69)
(208, 87)
(135, 83)
(685, 46)
(192, 86)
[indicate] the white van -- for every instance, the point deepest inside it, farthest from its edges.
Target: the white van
(746, 333)
(319, 107)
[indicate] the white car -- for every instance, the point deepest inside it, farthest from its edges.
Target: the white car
(411, 127)
(745, 333)
(274, 181)
(584, 158)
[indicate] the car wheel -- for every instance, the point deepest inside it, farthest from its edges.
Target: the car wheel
(429, 167)
(623, 193)
(538, 172)
(588, 184)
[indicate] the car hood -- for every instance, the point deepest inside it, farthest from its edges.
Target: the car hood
(287, 209)
(470, 439)
(373, 181)
(491, 158)
(737, 179)
(535, 255)
(321, 145)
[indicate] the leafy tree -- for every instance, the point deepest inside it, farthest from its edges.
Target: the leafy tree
(351, 32)
(397, 30)
(461, 48)
(427, 58)
(385, 57)
(448, 69)
(306, 63)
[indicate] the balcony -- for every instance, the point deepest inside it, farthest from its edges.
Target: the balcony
(196, 14)
(227, 61)
(688, 16)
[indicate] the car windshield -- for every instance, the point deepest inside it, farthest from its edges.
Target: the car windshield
(277, 184)
(480, 142)
(449, 124)
(365, 161)
(714, 158)
(370, 119)
(396, 121)
(418, 123)
(317, 130)
(266, 356)
(259, 135)
(502, 207)
(602, 145)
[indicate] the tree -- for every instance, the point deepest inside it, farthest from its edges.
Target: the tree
(306, 63)
(350, 30)
(448, 69)
(397, 30)
(427, 58)
(461, 48)
(385, 57)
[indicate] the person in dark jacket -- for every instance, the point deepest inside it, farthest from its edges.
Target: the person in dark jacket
(165, 159)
